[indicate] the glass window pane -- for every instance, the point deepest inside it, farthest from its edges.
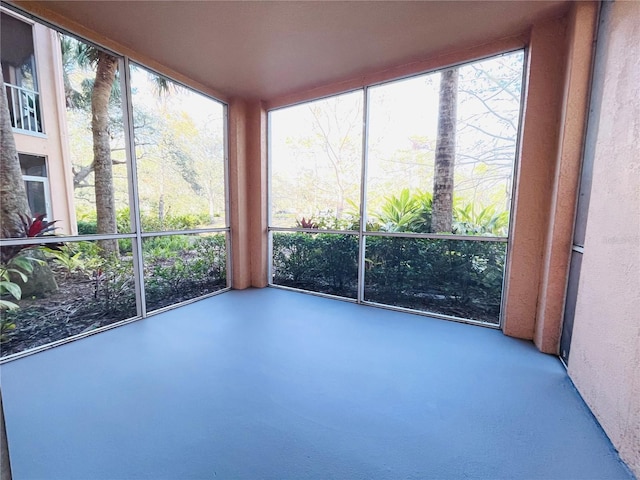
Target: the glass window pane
(319, 262)
(91, 174)
(402, 131)
(33, 165)
(315, 163)
(36, 197)
(67, 292)
(182, 267)
(180, 152)
(78, 169)
(85, 156)
(442, 148)
(489, 94)
(16, 45)
(449, 277)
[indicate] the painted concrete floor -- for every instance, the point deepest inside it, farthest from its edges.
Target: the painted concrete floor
(271, 384)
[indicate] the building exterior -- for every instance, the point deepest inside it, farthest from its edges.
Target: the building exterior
(32, 74)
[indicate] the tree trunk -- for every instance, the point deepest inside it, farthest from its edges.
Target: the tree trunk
(13, 203)
(442, 207)
(13, 196)
(106, 68)
(212, 206)
(161, 210)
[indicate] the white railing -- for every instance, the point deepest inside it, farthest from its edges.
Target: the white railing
(24, 108)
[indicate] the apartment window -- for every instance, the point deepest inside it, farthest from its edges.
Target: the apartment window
(20, 74)
(34, 174)
(419, 218)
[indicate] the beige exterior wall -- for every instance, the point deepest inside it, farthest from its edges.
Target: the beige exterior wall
(53, 144)
(535, 176)
(560, 55)
(604, 361)
(248, 192)
(238, 193)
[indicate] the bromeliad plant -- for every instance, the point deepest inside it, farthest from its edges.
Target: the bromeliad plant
(304, 223)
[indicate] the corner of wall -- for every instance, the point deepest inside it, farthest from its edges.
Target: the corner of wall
(239, 221)
(581, 30)
(535, 175)
(257, 190)
(248, 192)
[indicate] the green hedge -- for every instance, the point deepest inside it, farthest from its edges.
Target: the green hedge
(320, 262)
(460, 278)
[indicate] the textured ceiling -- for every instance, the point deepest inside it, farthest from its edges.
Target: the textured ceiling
(269, 49)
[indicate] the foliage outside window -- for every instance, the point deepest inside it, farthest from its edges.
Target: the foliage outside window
(80, 173)
(440, 158)
(458, 278)
(316, 158)
(182, 267)
(320, 262)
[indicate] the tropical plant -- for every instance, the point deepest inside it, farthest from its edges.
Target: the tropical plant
(407, 212)
(304, 223)
(398, 214)
(484, 221)
(16, 266)
(74, 259)
(21, 267)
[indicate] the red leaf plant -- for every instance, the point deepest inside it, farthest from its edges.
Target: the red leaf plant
(29, 228)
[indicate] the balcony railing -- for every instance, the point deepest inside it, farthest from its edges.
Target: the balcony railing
(24, 108)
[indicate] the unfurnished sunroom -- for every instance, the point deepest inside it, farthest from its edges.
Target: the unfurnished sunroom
(432, 173)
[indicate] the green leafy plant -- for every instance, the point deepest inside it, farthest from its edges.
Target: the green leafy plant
(468, 220)
(74, 260)
(406, 212)
(304, 223)
(186, 267)
(15, 264)
(20, 266)
(323, 262)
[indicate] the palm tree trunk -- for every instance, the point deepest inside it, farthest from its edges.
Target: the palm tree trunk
(106, 68)
(442, 207)
(13, 203)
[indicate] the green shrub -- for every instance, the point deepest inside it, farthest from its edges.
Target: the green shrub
(189, 221)
(321, 262)
(179, 268)
(87, 227)
(454, 277)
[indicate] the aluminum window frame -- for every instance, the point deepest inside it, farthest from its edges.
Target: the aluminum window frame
(136, 236)
(362, 231)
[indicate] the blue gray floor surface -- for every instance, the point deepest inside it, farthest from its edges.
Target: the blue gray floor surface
(272, 384)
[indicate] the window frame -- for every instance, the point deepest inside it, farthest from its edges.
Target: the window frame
(136, 235)
(362, 232)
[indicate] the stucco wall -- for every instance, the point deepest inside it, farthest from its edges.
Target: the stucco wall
(605, 351)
